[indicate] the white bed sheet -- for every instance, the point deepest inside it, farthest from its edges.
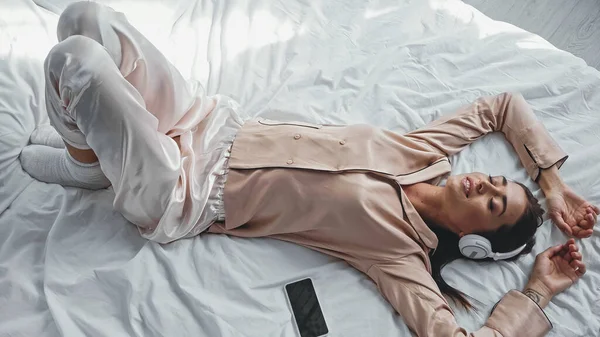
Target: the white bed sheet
(70, 265)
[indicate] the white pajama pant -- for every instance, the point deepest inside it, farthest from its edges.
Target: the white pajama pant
(110, 90)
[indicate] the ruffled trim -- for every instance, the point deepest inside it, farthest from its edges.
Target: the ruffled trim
(216, 203)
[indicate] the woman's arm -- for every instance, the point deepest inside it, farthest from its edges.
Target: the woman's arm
(415, 296)
(506, 113)
(555, 269)
(412, 292)
(550, 181)
(571, 213)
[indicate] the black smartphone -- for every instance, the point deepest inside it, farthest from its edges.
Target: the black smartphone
(306, 309)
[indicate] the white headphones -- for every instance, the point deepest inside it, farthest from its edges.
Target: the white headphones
(477, 247)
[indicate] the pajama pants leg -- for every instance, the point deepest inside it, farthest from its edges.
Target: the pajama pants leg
(110, 90)
(93, 106)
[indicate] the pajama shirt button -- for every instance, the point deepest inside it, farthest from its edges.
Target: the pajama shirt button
(290, 162)
(342, 142)
(297, 136)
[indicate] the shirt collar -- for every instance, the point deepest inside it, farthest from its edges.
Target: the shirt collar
(426, 235)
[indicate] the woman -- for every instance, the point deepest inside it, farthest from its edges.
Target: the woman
(365, 195)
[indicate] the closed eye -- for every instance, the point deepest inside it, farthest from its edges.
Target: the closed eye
(491, 205)
(504, 199)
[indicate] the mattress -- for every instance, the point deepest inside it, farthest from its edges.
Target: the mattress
(71, 266)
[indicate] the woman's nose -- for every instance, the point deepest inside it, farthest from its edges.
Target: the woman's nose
(487, 187)
(480, 187)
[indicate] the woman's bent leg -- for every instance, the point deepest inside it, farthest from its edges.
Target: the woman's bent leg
(93, 107)
(177, 104)
(110, 91)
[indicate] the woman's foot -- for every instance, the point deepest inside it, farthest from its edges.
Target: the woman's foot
(45, 134)
(56, 166)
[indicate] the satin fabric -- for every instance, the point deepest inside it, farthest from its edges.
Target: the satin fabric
(109, 89)
(339, 190)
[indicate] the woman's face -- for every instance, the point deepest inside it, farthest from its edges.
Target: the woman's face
(477, 202)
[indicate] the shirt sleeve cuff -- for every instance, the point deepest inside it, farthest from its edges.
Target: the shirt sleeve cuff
(517, 315)
(543, 151)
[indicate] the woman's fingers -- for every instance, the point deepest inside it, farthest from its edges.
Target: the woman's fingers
(572, 246)
(590, 218)
(564, 250)
(560, 223)
(582, 233)
(578, 267)
(596, 209)
(569, 247)
(574, 258)
(572, 252)
(590, 210)
(552, 251)
(573, 264)
(568, 257)
(584, 224)
(582, 230)
(587, 222)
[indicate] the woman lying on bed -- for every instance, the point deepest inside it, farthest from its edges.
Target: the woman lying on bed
(368, 196)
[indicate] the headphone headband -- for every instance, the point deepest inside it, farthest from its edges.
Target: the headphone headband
(477, 247)
(508, 255)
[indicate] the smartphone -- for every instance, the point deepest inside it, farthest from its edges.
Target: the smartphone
(306, 309)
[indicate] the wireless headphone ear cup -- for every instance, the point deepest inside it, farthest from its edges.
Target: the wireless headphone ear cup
(475, 246)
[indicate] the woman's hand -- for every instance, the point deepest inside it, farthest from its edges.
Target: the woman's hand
(555, 269)
(572, 214)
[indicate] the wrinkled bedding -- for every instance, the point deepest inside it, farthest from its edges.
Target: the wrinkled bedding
(71, 266)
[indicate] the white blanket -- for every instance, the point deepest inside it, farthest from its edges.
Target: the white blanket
(70, 265)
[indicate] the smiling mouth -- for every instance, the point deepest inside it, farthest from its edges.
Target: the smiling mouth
(466, 182)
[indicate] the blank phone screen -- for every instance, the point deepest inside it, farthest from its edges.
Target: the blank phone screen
(306, 308)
